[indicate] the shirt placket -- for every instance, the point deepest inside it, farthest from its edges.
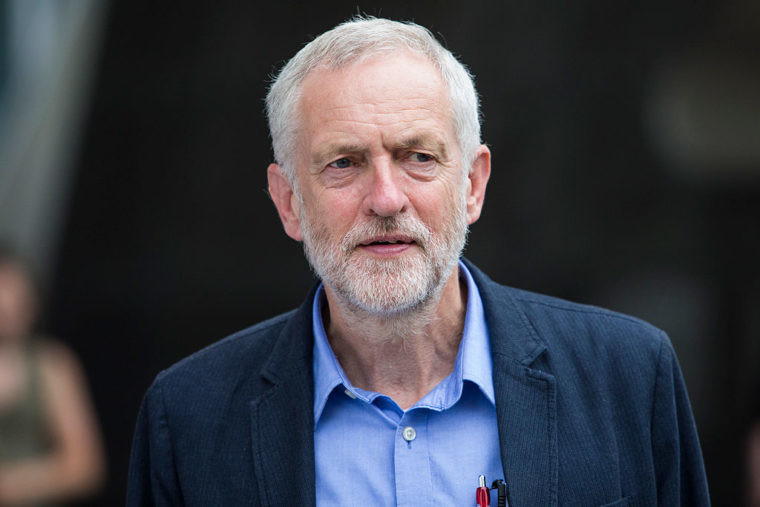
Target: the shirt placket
(411, 459)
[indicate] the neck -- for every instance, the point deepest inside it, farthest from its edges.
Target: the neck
(402, 356)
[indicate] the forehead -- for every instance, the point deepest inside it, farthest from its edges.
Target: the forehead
(392, 94)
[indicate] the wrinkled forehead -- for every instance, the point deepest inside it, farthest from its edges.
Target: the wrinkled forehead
(381, 79)
(411, 68)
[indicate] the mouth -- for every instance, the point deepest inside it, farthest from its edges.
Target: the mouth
(387, 245)
(388, 240)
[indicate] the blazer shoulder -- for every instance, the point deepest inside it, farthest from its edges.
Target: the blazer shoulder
(548, 305)
(563, 324)
(245, 350)
(559, 323)
(540, 322)
(540, 306)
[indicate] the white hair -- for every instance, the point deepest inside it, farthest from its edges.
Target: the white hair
(349, 42)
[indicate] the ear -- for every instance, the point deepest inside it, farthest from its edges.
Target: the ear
(478, 179)
(285, 201)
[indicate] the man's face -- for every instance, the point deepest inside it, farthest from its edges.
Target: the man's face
(382, 208)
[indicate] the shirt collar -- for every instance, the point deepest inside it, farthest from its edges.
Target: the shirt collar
(473, 362)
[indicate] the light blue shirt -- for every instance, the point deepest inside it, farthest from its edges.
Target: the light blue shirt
(370, 452)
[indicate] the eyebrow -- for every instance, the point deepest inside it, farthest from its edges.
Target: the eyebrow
(430, 142)
(330, 150)
(427, 141)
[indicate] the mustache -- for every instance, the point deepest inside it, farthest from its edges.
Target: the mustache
(403, 225)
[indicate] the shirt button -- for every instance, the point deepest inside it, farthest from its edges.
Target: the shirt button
(409, 434)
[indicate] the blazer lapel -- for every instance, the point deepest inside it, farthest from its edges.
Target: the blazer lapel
(525, 398)
(526, 414)
(282, 418)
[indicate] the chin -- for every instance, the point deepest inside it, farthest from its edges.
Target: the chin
(389, 287)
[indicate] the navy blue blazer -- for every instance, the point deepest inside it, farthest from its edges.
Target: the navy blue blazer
(591, 406)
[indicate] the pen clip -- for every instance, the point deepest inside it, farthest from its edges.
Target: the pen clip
(501, 492)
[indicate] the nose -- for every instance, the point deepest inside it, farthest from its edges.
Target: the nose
(386, 195)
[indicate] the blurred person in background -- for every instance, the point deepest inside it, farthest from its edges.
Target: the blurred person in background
(50, 444)
(753, 451)
(753, 465)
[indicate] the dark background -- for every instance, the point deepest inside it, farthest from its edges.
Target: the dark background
(171, 242)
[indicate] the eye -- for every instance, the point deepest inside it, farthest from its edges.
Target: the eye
(341, 163)
(420, 157)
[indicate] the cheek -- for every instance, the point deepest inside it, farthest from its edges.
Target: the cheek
(438, 205)
(338, 209)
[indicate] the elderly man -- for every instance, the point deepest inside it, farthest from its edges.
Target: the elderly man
(406, 374)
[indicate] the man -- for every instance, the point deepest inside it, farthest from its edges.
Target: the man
(407, 373)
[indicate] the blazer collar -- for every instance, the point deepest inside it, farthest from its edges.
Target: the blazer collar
(517, 339)
(526, 397)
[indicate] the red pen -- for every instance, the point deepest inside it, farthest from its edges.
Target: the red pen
(482, 495)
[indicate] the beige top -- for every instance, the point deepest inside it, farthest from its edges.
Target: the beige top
(23, 428)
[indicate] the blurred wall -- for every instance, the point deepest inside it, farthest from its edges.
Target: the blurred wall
(603, 189)
(47, 50)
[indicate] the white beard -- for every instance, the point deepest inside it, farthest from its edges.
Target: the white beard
(386, 287)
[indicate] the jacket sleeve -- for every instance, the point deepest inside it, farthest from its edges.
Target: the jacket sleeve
(152, 472)
(677, 455)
